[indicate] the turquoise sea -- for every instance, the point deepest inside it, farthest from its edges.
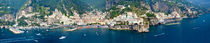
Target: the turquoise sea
(196, 30)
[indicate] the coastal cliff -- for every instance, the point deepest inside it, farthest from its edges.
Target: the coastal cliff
(137, 15)
(155, 12)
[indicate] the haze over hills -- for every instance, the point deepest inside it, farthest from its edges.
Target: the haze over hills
(202, 3)
(98, 4)
(11, 6)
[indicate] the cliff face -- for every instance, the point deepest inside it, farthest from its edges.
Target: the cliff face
(110, 3)
(166, 6)
(155, 12)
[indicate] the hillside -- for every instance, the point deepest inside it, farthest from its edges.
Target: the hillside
(136, 15)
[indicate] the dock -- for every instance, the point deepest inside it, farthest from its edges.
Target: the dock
(173, 23)
(16, 31)
(71, 29)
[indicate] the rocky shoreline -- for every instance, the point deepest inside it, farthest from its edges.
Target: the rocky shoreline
(18, 30)
(134, 27)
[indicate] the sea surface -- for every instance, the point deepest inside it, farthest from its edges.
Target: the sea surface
(194, 30)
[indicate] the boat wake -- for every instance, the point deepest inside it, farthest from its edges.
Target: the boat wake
(161, 34)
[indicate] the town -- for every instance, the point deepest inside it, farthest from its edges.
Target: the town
(118, 17)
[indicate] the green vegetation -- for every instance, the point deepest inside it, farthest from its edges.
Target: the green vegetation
(146, 21)
(134, 7)
(7, 23)
(166, 13)
(35, 24)
(114, 12)
(150, 15)
(21, 22)
(4, 10)
(139, 11)
(94, 24)
(171, 3)
(46, 7)
(122, 23)
(44, 11)
(95, 4)
(135, 3)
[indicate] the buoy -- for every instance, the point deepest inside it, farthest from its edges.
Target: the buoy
(85, 35)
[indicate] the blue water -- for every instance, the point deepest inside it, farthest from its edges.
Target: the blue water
(195, 30)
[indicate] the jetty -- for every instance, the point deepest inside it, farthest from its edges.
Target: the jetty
(15, 31)
(173, 23)
(71, 29)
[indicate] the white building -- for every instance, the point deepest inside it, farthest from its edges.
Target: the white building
(121, 6)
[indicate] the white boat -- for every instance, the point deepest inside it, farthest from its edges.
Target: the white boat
(38, 34)
(62, 37)
(36, 40)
